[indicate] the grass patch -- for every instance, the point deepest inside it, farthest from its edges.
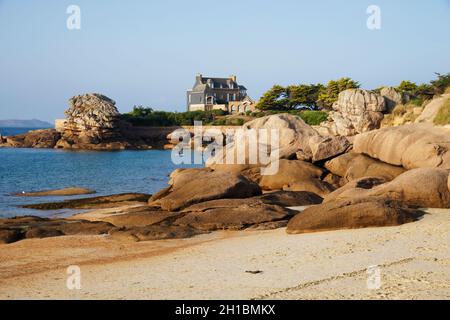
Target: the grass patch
(443, 116)
(416, 102)
(399, 110)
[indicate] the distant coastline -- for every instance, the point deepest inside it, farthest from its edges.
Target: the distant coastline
(33, 124)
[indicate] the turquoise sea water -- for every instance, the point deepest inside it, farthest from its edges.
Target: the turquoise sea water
(105, 172)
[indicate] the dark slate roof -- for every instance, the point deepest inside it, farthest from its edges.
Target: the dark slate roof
(218, 82)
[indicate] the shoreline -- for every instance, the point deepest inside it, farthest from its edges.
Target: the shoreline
(414, 261)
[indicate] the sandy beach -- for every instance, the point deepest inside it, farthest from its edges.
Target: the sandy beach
(414, 262)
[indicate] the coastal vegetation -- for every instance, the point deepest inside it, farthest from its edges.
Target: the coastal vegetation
(305, 96)
(443, 115)
(311, 102)
(143, 116)
(321, 97)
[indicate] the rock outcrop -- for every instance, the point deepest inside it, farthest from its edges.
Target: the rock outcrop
(323, 148)
(411, 146)
(423, 187)
(154, 232)
(354, 189)
(27, 227)
(57, 192)
(192, 186)
(351, 214)
(296, 175)
(393, 97)
(294, 135)
(93, 122)
(46, 138)
(431, 109)
(291, 198)
(233, 214)
(353, 166)
(356, 111)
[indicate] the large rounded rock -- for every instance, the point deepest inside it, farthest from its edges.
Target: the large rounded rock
(411, 146)
(340, 164)
(354, 189)
(351, 214)
(353, 166)
(423, 187)
(231, 214)
(194, 186)
(323, 148)
(293, 132)
(291, 198)
(296, 175)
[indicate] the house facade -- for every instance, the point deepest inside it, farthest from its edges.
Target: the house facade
(218, 93)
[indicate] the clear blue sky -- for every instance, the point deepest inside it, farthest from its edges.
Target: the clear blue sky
(148, 52)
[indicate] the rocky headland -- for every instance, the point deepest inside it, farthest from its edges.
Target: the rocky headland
(92, 123)
(367, 178)
(386, 189)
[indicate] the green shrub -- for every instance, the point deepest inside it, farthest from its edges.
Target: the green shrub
(329, 94)
(257, 114)
(441, 83)
(407, 86)
(443, 115)
(313, 118)
(219, 112)
(141, 116)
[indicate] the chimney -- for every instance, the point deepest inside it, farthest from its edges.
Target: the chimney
(233, 77)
